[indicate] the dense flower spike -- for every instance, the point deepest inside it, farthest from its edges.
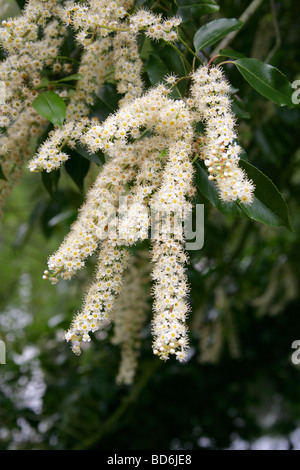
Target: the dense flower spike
(20, 74)
(101, 295)
(170, 300)
(219, 151)
(171, 283)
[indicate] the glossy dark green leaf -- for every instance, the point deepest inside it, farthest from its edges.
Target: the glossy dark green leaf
(76, 76)
(266, 80)
(175, 64)
(108, 94)
(50, 181)
(61, 217)
(157, 70)
(97, 158)
(21, 3)
(268, 206)
(188, 10)
(77, 167)
(238, 109)
(51, 106)
(231, 53)
(214, 31)
(107, 102)
(209, 190)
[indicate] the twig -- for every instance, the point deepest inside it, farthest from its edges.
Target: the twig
(277, 33)
(245, 16)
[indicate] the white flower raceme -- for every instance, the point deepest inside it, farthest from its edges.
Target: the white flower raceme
(96, 216)
(50, 155)
(159, 170)
(103, 56)
(14, 149)
(28, 52)
(101, 295)
(170, 299)
(170, 281)
(210, 96)
(95, 61)
(127, 65)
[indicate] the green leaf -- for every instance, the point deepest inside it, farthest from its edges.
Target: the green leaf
(175, 64)
(268, 206)
(108, 94)
(107, 102)
(231, 53)
(188, 10)
(97, 158)
(2, 175)
(267, 80)
(76, 76)
(77, 167)
(209, 190)
(50, 181)
(157, 70)
(21, 3)
(238, 110)
(44, 82)
(214, 31)
(51, 106)
(146, 48)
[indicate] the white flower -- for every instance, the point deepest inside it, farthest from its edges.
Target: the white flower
(219, 151)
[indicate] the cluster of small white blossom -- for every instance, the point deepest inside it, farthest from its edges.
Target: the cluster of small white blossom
(21, 70)
(95, 218)
(148, 144)
(160, 173)
(134, 214)
(170, 300)
(95, 17)
(102, 53)
(128, 66)
(95, 61)
(171, 284)
(210, 96)
(129, 315)
(14, 149)
(101, 295)
(154, 26)
(50, 155)
(27, 53)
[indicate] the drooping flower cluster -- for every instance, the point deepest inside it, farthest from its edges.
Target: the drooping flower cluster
(20, 75)
(210, 93)
(146, 182)
(101, 294)
(160, 172)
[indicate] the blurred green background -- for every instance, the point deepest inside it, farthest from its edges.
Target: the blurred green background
(239, 388)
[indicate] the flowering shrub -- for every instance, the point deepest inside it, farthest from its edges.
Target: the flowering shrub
(172, 134)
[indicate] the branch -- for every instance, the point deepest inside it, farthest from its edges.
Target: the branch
(245, 16)
(277, 33)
